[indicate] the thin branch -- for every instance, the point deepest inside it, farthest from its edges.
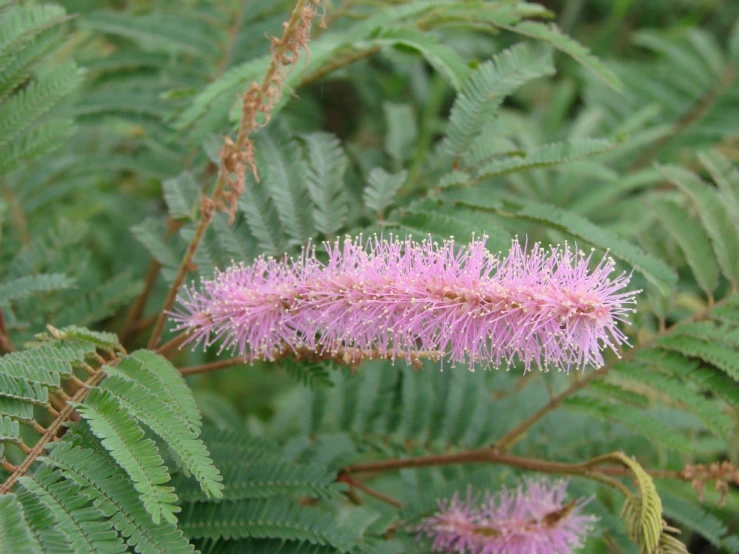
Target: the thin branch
(346, 478)
(134, 314)
(490, 456)
(210, 367)
(173, 344)
(49, 435)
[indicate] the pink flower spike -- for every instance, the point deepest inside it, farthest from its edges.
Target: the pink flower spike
(397, 298)
(532, 519)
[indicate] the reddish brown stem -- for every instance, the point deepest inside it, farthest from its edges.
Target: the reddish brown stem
(212, 366)
(38, 449)
(134, 314)
(346, 478)
(176, 342)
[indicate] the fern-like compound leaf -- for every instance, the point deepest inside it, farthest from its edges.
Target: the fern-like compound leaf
(123, 437)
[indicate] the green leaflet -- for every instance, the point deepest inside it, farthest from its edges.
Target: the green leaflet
(20, 111)
(43, 524)
(272, 518)
(486, 87)
(33, 284)
(171, 33)
(381, 189)
(723, 357)
(441, 57)
(107, 484)
(161, 377)
(182, 440)
(327, 164)
(122, 436)
(83, 525)
(14, 533)
(693, 241)
(714, 215)
(711, 413)
(267, 478)
(537, 157)
(638, 422)
(556, 38)
(284, 176)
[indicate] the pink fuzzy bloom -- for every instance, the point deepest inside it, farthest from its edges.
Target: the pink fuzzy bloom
(397, 298)
(533, 519)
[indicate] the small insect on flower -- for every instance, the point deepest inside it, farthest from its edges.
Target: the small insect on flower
(532, 519)
(399, 298)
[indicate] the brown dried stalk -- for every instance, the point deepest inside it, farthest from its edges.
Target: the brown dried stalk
(237, 155)
(723, 473)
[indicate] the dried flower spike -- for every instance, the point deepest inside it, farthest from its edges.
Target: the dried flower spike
(399, 298)
(532, 519)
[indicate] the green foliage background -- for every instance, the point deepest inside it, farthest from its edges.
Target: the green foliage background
(446, 117)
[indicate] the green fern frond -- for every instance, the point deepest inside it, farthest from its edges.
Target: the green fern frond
(263, 479)
(22, 110)
(690, 369)
(696, 518)
(693, 241)
(34, 143)
(710, 413)
(261, 217)
(122, 436)
(168, 32)
(714, 216)
(160, 377)
(555, 37)
(327, 164)
(381, 189)
(25, 57)
(440, 56)
(544, 156)
(262, 546)
(272, 518)
(314, 375)
(723, 357)
(190, 453)
(23, 390)
(724, 173)
(110, 489)
(638, 422)
(285, 181)
(20, 25)
(82, 524)
(15, 536)
(43, 525)
(181, 195)
(33, 284)
(485, 89)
